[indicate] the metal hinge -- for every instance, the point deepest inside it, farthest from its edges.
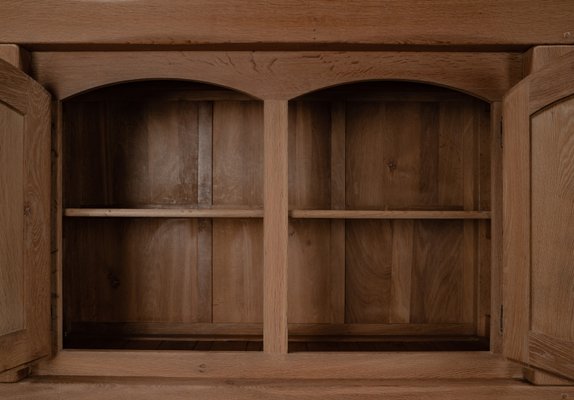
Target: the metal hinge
(501, 324)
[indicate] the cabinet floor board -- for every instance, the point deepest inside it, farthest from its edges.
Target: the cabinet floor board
(168, 389)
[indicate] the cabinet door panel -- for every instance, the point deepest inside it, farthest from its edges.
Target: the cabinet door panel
(539, 220)
(24, 219)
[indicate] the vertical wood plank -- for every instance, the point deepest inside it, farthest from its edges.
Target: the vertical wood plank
(368, 246)
(337, 275)
(483, 131)
(275, 231)
(516, 220)
(552, 238)
(237, 177)
(237, 154)
(470, 188)
(130, 269)
(496, 227)
(402, 262)
(438, 261)
(12, 156)
(237, 272)
(16, 56)
(57, 231)
(309, 188)
(202, 303)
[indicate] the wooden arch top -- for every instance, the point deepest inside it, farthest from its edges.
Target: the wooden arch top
(279, 75)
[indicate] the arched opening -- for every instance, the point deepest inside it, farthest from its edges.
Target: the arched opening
(389, 192)
(162, 196)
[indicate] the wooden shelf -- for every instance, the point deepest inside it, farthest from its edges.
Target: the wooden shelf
(163, 212)
(375, 214)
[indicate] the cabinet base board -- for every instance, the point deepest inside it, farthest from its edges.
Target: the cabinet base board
(258, 365)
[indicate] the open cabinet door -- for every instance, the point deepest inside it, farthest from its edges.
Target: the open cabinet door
(24, 220)
(538, 165)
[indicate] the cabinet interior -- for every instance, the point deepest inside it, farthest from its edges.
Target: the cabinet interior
(389, 231)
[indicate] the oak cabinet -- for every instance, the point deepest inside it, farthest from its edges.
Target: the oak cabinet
(295, 214)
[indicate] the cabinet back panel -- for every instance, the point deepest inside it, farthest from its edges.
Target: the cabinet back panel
(131, 154)
(405, 272)
(408, 155)
(237, 271)
(163, 144)
(406, 146)
(310, 155)
(238, 153)
(122, 270)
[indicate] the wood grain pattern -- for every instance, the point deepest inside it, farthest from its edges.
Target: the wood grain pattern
(237, 182)
(316, 284)
(496, 243)
(539, 57)
(545, 91)
(375, 214)
(297, 331)
(238, 154)
(57, 238)
(401, 272)
(537, 213)
(439, 258)
(337, 256)
(275, 226)
(12, 226)
(203, 300)
(552, 191)
(516, 214)
(131, 270)
(237, 271)
(89, 389)
(541, 378)
(309, 155)
(170, 147)
(312, 278)
(162, 213)
(306, 366)
(414, 157)
(322, 23)
(280, 75)
(434, 256)
(368, 273)
(130, 154)
(551, 353)
(16, 56)
(30, 240)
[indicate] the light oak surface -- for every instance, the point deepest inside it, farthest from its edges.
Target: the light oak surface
(436, 164)
(258, 365)
(177, 170)
(373, 214)
(280, 75)
(163, 213)
(92, 389)
(320, 23)
(538, 137)
(12, 217)
(516, 228)
(275, 227)
(25, 219)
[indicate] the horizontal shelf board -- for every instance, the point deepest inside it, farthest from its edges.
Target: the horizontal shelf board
(297, 329)
(163, 213)
(375, 214)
